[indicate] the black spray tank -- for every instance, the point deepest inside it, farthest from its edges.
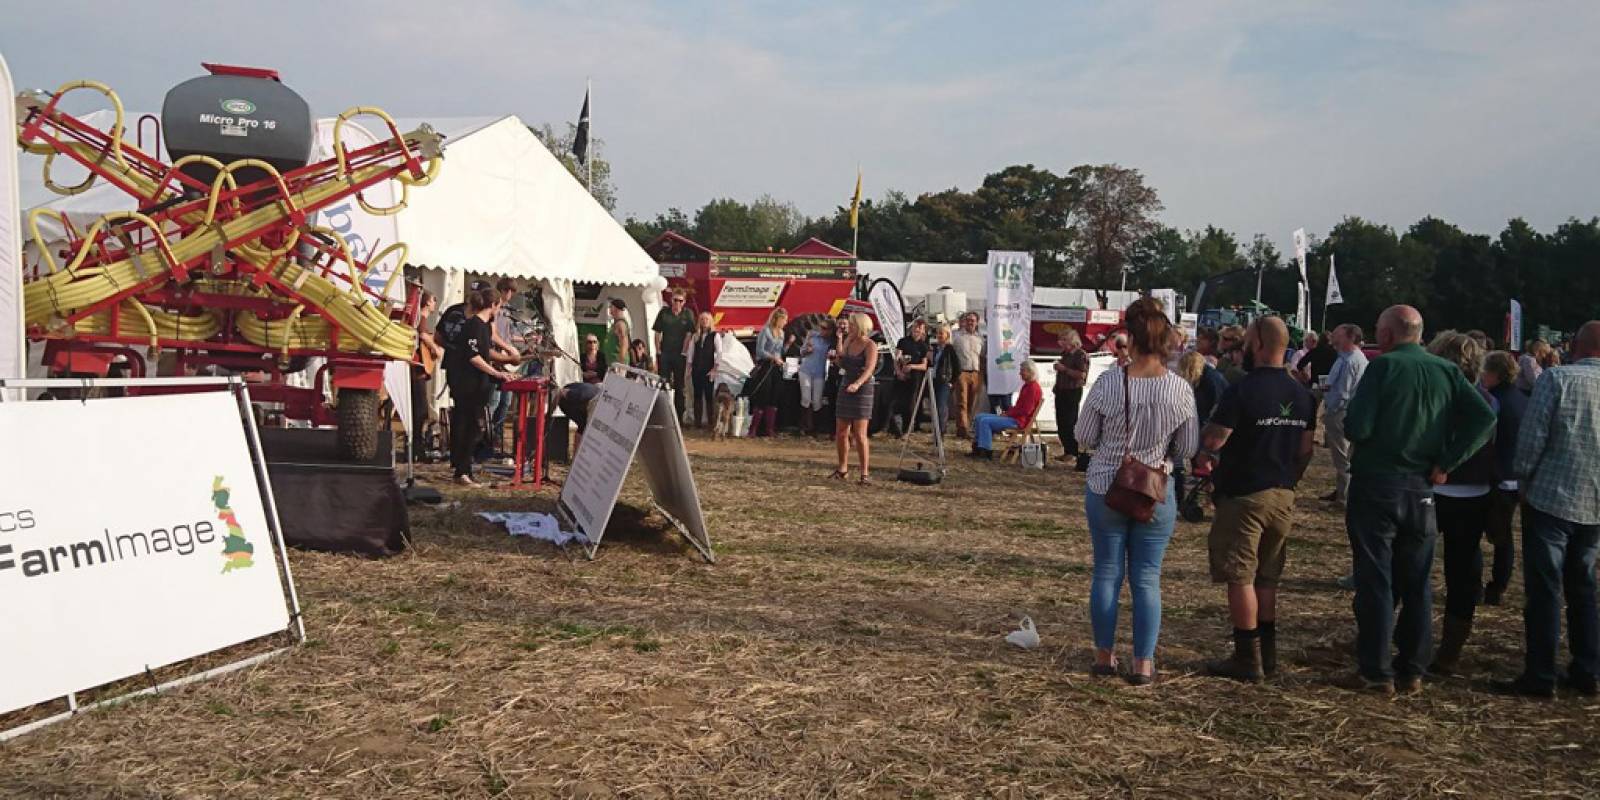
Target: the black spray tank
(234, 113)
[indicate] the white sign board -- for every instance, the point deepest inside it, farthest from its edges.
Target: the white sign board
(749, 294)
(1010, 309)
(1046, 418)
(632, 416)
(673, 270)
(138, 557)
(1047, 314)
(13, 345)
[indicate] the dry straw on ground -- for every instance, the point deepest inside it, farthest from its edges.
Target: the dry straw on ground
(849, 642)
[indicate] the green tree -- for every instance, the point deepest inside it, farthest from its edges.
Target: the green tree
(646, 231)
(1376, 269)
(560, 146)
(1116, 212)
(727, 224)
(1462, 274)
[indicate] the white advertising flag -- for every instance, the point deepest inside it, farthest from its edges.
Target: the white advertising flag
(13, 345)
(889, 309)
(148, 556)
(365, 233)
(1300, 251)
(1010, 317)
(1514, 327)
(1302, 312)
(1335, 297)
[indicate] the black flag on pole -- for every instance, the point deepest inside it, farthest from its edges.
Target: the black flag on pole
(580, 141)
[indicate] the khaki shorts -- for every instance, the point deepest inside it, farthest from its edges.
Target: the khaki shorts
(1249, 538)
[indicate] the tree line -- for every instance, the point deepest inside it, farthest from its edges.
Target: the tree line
(1098, 224)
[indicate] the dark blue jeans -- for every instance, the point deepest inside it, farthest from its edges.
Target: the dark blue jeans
(1392, 526)
(1558, 558)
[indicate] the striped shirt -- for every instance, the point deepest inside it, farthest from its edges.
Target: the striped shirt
(1164, 425)
(1558, 448)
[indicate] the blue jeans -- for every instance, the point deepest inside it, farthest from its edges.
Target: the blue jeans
(1558, 558)
(1133, 550)
(986, 426)
(1393, 525)
(941, 401)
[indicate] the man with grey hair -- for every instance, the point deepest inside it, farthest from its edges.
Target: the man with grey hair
(1558, 460)
(1342, 382)
(1414, 419)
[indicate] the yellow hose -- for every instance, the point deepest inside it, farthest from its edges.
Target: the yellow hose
(152, 322)
(363, 325)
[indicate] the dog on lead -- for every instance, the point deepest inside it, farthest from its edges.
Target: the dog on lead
(724, 424)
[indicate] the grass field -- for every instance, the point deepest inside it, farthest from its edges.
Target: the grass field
(849, 642)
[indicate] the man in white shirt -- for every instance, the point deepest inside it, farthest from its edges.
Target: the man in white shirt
(968, 346)
(1342, 381)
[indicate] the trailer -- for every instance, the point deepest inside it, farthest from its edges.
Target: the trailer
(741, 289)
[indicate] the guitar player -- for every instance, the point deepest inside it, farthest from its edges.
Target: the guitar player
(426, 363)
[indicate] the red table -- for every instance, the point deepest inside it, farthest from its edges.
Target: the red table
(539, 388)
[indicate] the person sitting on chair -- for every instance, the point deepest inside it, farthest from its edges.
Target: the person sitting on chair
(1018, 417)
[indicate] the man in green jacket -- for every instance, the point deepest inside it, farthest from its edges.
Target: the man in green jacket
(1413, 419)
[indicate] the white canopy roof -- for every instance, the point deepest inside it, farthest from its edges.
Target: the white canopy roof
(918, 279)
(503, 205)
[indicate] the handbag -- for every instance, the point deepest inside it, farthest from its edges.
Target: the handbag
(1137, 488)
(1034, 455)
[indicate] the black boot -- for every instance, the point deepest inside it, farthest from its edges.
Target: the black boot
(1245, 664)
(1448, 656)
(1269, 648)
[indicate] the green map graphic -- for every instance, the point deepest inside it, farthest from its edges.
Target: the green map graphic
(236, 550)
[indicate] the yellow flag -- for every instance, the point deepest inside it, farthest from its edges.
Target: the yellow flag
(855, 203)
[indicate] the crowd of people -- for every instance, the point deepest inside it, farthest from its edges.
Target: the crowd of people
(1442, 445)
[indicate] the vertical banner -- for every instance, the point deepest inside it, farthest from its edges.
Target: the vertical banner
(1514, 327)
(1302, 312)
(1335, 297)
(13, 345)
(1010, 316)
(365, 233)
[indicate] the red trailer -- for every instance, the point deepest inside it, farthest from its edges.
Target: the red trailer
(741, 289)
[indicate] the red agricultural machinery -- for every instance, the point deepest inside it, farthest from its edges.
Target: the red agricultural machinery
(217, 266)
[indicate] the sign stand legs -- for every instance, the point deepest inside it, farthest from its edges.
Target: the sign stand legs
(938, 427)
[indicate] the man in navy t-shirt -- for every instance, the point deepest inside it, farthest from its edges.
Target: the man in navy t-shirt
(1260, 441)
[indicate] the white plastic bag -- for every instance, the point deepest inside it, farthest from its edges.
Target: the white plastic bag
(1026, 636)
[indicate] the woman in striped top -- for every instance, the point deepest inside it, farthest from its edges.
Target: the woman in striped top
(1164, 431)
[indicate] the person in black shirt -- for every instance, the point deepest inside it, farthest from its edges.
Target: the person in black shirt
(911, 366)
(575, 400)
(702, 363)
(1263, 426)
(471, 376)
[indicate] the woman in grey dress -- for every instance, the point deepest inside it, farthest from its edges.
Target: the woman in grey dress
(858, 360)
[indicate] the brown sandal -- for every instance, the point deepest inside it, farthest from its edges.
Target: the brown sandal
(839, 475)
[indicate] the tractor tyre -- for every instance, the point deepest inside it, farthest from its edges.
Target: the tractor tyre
(358, 424)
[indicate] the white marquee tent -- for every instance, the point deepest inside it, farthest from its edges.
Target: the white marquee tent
(504, 206)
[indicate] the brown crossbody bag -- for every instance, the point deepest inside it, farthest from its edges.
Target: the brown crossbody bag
(1138, 487)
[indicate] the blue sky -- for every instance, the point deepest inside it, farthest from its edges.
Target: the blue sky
(1255, 116)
